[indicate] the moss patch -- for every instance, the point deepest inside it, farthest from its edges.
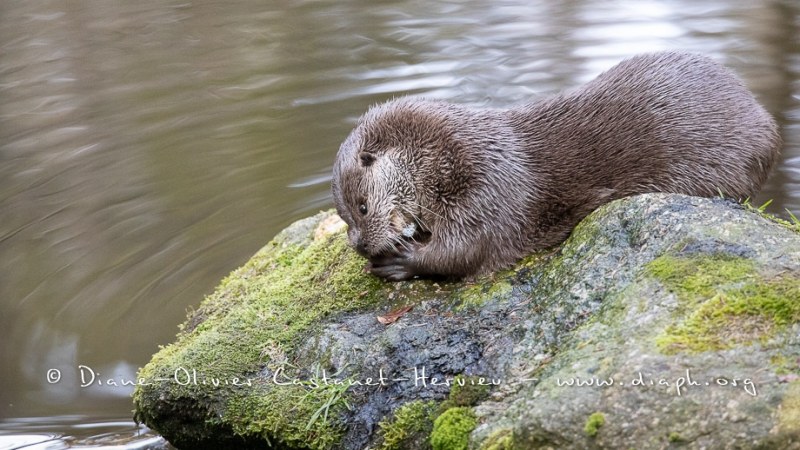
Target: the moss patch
(789, 411)
(496, 286)
(593, 424)
(466, 391)
(414, 420)
(724, 302)
(674, 437)
(410, 426)
(476, 295)
(309, 420)
(451, 430)
(785, 365)
(696, 278)
(502, 439)
(257, 314)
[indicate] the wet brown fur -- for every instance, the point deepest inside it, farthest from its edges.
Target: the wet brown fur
(485, 187)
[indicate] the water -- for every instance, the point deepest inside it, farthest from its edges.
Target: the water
(148, 148)
(77, 432)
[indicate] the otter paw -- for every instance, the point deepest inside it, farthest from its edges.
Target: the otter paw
(391, 268)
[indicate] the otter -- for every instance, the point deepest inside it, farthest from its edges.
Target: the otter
(429, 188)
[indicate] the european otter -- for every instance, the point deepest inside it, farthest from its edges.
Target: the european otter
(431, 188)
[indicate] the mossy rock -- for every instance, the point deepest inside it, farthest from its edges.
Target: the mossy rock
(650, 297)
(221, 372)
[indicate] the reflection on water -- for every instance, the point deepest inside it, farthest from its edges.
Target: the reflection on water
(78, 432)
(148, 148)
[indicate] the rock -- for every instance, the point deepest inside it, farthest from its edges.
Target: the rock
(663, 320)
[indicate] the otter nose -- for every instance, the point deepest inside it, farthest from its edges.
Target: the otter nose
(361, 248)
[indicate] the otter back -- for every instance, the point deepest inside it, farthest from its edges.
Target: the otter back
(431, 188)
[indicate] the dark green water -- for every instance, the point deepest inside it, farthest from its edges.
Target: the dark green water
(148, 148)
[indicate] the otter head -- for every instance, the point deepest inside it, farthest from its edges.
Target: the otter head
(374, 186)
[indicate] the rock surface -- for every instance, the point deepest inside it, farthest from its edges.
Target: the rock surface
(664, 321)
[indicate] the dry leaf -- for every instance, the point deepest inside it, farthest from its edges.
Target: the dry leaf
(392, 316)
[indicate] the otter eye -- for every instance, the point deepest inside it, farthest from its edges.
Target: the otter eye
(362, 208)
(367, 159)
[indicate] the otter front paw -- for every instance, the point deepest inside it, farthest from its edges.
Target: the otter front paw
(391, 268)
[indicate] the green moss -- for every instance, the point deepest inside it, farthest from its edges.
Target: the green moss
(476, 295)
(699, 277)
(674, 437)
(593, 424)
(416, 419)
(451, 430)
(263, 310)
(785, 365)
(496, 286)
(789, 411)
(724, 302)
(466, 391)
(410, 426)
(502, 439)
(309, 414)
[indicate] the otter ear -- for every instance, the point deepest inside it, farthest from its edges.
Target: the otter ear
(367, 158)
